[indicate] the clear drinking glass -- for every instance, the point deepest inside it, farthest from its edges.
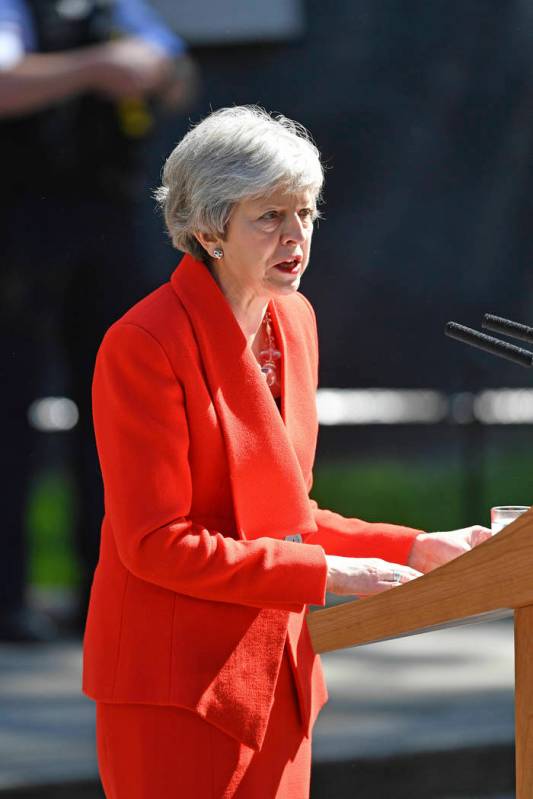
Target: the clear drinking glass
(502, 515)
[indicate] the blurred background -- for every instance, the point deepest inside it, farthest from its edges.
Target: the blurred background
(422, 112)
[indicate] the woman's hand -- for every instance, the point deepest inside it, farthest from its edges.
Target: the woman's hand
(364, 576)
(434, 549)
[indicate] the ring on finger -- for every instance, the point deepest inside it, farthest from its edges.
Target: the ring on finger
(396, 577)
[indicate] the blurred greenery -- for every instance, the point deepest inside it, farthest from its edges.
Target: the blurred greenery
(50, 519)
(421, 493)
(426, 494)
(413, 494)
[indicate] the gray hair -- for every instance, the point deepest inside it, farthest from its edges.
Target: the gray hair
(233, 154)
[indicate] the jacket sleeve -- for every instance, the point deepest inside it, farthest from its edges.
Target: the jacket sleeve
(355, 538)
(138, 18)
(143, 440)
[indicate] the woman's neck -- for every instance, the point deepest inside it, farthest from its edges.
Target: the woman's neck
(248, 308)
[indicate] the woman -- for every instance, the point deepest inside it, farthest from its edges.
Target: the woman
(196, 647)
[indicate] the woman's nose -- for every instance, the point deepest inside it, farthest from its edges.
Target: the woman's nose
(293, 231)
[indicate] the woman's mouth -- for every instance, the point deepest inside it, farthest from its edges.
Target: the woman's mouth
(289, 267)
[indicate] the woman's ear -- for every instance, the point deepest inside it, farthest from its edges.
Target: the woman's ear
(208, 241)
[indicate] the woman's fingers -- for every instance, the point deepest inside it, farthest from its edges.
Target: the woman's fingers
(396, 575)
(479, 535)
(402, 574)
(365, 576)
(431, 550)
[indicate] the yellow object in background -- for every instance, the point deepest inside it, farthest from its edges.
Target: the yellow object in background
(135, 118)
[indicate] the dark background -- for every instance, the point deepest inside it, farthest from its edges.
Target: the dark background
(422, 112)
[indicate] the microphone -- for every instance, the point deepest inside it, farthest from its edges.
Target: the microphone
(490, 344)
(500, 325)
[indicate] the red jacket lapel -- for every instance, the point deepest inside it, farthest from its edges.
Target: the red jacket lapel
(269, 490)
(295, 332)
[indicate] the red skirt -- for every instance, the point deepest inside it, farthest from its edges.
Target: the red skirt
(165, 752)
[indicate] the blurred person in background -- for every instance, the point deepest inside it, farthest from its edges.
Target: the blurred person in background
(196, 648)
(80, 84)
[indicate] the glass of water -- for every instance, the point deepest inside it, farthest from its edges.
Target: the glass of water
(502, 515)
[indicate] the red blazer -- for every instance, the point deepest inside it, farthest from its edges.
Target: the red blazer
(196, 591)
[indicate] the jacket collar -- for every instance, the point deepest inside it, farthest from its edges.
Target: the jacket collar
(269, 490)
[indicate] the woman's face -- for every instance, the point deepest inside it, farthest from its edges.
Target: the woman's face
(268, 243)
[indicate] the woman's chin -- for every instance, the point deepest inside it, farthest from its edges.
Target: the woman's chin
(281, 288)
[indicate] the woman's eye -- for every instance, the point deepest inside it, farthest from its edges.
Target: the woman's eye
(307, 213)
(270, 215)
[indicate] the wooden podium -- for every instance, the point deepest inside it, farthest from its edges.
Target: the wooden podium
(490, 581)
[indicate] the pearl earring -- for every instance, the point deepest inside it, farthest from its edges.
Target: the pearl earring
(218, 253)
